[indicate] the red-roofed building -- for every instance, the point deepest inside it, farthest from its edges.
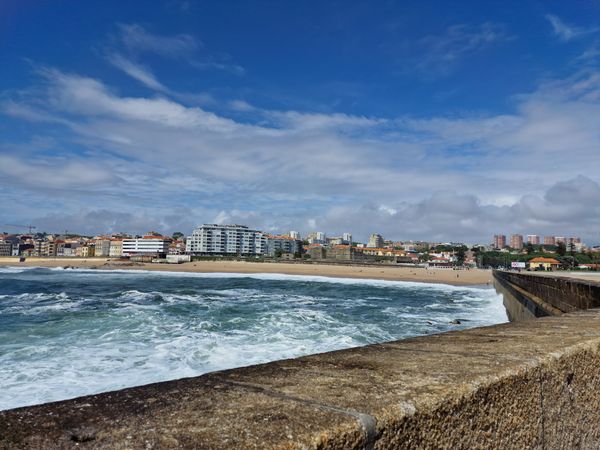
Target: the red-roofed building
(542, 263)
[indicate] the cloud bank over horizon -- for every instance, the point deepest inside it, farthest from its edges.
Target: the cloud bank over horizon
(126, 149)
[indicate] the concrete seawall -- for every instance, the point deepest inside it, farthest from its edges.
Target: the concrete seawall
(530, 384)
(540, 295)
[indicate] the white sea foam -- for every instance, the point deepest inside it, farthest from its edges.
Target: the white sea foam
(144, 333)
(13, 269)
(259, 276)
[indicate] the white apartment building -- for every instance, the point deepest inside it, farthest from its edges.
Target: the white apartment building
(102, 247)
(147, 245)
(294, 235)
(375, 241)
(318, 237)
(347, 238)
(213, 239)
(116, 248)
(69, 250)
(285, 244)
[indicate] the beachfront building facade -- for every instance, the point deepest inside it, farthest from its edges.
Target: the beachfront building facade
(84, 251)
(102, 247)
(116, 248)
(66, 249)
(277, 245)
(214, 239)
(148, 245)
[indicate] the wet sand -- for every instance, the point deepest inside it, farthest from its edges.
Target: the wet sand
(399, 273)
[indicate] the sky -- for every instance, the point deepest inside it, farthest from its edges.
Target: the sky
(443, 121)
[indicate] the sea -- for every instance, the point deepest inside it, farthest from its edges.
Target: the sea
(65, 333)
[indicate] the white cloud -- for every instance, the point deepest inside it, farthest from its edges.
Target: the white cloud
(54, 173)
(210, 63)
(567, 32)
(136, 71)
(590, 55)
(74, 94)
(410, 177)
(241, 105)
(311, 121)
(136, 39)
(440, 53)
(571, 207)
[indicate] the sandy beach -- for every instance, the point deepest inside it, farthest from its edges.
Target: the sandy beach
(399, 273)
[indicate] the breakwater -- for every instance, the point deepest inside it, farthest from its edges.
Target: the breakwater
(529, 384)
(530, 295)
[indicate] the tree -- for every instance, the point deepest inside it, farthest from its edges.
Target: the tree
(460, 256)
(530, 249)
(568, 262)
(561, 249)
(177, 235)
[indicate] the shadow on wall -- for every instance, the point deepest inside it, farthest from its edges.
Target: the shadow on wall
(516, 310)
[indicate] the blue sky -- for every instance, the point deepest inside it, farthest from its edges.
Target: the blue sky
(418, 120)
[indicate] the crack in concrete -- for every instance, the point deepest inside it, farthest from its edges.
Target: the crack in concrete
(367, 422)
(542, 424)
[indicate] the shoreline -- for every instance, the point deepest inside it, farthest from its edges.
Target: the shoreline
(392, 273)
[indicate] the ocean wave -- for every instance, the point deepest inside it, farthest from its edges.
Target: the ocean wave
(266, 277)
(37, 303)
(14, 269)
(75, 335)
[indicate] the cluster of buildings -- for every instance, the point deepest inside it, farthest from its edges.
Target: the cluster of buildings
(218, 240)
(210, 240)
(215, 239)
(517, 242)
(114, 246)
(206, 240)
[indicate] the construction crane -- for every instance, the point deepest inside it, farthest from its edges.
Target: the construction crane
(29, 227)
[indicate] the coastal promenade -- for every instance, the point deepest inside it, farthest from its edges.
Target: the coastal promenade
(528, 384)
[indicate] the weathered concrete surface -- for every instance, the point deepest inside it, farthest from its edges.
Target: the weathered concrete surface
(576, 275)
(546, 294)
(532, 384)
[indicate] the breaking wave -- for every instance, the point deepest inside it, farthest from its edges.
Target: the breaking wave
(72, 332)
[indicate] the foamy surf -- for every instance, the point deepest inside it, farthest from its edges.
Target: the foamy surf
(65, 333)
(256, 276)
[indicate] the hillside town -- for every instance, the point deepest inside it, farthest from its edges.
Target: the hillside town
(241, 242)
